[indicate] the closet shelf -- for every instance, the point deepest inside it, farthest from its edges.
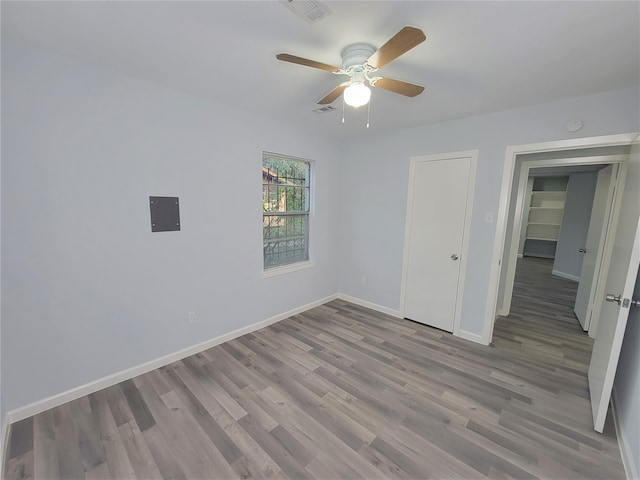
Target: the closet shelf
(544, 216)
(539, 239)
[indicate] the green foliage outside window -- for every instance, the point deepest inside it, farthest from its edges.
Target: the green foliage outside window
(285, 206)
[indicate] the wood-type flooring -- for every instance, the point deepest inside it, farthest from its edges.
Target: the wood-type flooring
(341, 392)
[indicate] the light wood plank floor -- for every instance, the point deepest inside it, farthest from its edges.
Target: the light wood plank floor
(341, 392)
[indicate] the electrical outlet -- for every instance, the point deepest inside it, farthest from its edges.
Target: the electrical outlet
(363, 280)
(191, 319)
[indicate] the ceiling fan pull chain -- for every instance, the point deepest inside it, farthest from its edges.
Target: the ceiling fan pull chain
(343, 109)
(368, 113)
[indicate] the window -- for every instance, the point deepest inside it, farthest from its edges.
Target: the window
(285, 210)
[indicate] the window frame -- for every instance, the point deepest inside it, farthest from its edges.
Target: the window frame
(307, 213)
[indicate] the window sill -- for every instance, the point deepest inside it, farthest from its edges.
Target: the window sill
(272, 272)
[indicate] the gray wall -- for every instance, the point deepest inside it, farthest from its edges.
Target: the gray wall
(575, 224)
(372, 226)
(87, 289)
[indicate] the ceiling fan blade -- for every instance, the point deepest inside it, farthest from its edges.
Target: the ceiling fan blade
(400, 43)
(333, 94)
(398, 86)
(285, 57)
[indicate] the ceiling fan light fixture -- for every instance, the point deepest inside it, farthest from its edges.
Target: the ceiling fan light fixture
(357, 94)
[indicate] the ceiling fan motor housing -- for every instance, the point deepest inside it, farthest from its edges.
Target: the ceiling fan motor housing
(356, 55)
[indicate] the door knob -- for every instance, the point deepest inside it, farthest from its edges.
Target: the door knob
(634, 302)
(583, 250)
(454, 256)
(613, 298)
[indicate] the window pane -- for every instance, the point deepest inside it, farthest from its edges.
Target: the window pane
(283, 198)
(285, 239)
(294, 172)
(281, 226)
(285, 192)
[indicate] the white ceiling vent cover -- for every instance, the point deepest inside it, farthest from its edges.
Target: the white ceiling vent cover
(324, 109)
(309, 10)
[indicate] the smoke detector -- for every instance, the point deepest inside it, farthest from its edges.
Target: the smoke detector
(309, 10)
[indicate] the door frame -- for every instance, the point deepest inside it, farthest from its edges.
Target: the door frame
(519, 214)
(502, 218)
(472, 155)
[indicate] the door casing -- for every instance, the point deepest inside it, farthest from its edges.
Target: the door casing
(502, 217)
(504, 309)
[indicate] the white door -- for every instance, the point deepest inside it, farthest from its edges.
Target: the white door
(598, 225)
(438, 219)
(620, 281)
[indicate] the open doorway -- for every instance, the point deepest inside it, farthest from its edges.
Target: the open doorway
(621, 257)
(519, 160)
(529, 165)
(558, 218)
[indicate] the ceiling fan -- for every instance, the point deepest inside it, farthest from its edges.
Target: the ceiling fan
(360, 62)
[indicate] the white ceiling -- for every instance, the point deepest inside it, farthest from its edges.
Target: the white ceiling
(479, 56)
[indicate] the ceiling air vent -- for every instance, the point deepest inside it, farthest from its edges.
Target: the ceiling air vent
(309, 10)
(324, 109)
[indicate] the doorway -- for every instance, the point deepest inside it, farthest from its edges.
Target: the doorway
(509, 217)
(577, 158)
(619, 265)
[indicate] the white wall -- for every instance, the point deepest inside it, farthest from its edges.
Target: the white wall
(575, 224)
(375, 178)
(88, 290)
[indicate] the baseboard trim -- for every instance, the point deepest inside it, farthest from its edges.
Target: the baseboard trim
(474, 337)
(539, 255)
(367, 304)
(625, 449)
(104, 382)
(565, 275)
(396, 313)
